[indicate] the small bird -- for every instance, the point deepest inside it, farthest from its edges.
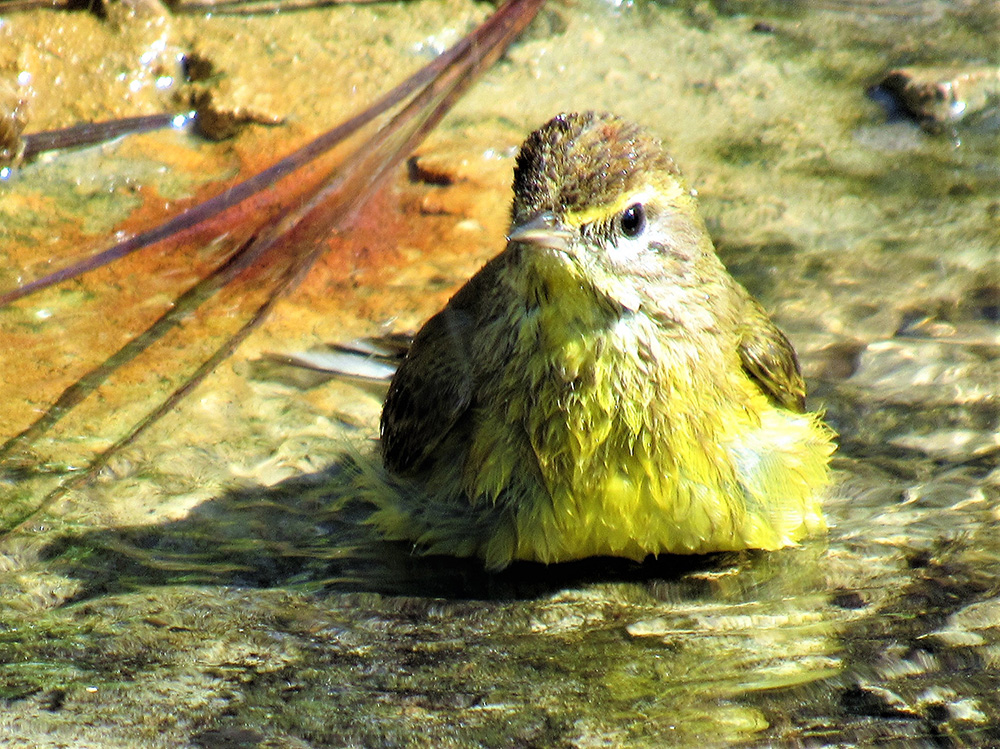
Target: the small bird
(603, 386)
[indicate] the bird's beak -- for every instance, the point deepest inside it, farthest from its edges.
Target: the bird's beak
(543, 229)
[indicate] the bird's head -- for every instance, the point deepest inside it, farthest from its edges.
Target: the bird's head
(605, 198)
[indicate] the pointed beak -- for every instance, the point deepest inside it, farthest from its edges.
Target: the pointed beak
(542, 230)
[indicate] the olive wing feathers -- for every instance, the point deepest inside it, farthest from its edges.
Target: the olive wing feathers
(430, 393)
(768, 357)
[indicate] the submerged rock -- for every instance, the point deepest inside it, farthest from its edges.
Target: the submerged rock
(937, 97)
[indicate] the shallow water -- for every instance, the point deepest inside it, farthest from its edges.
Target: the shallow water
(201, 591)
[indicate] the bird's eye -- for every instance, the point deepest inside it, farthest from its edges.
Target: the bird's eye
(633, 220)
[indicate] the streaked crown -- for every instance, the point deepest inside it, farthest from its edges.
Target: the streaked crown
(578, 161)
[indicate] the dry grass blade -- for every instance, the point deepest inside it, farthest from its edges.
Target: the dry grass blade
(89, 133)
(12, 6)
(250, 7)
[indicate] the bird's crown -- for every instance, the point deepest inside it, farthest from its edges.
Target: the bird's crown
(578, 162)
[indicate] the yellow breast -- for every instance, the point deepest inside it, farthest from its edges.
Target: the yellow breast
(619, 440)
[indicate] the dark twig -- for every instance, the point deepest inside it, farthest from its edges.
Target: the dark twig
(252, 7)
(12, 6)
(90, 133)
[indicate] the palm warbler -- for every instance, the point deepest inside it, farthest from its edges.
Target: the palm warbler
(601, 387)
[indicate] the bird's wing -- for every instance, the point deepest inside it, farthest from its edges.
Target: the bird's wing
(768, 357)
(431, 391)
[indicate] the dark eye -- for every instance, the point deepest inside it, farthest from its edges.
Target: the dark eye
(633, 220)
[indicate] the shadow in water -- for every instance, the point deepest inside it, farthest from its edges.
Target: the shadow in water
(289, 536)
(859, 639)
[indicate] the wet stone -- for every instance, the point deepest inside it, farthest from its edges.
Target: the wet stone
(220, 117)
(937, 97)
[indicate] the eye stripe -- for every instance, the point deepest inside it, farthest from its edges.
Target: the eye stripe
(580, 216)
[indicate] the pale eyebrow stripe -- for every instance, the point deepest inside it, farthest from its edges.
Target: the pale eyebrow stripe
(644, 194)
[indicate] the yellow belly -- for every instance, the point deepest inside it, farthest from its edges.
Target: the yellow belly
(623, 443)
(617, 449)
(757, 490)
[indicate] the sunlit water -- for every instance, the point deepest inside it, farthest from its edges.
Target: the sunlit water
(202, 589)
